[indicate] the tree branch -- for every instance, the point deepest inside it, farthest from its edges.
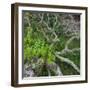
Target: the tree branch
(66, 60)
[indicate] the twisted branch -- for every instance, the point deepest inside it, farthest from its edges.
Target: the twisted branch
(66, 60)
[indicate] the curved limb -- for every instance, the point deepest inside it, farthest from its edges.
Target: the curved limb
(66, 60)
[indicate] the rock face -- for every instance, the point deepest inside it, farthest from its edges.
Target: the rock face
(34, 71)
(28, 72)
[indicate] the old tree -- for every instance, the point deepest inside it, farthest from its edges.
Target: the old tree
(51, 44)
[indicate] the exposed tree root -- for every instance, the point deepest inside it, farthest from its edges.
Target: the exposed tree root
(66, 60)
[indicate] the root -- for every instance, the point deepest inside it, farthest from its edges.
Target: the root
(66, 60)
